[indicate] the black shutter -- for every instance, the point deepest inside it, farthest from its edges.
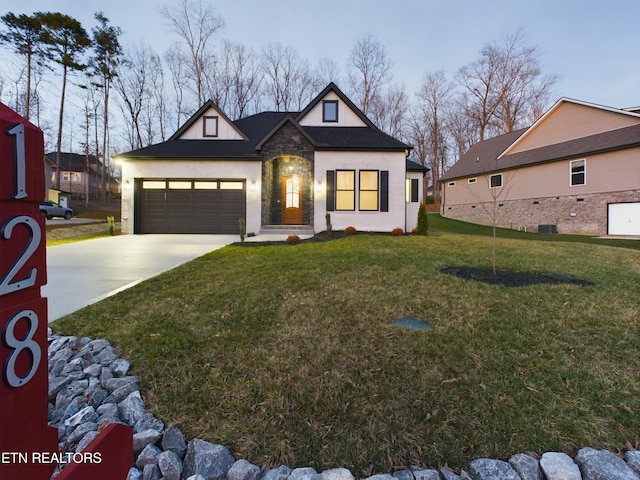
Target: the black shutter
(414, 190)
(384, 191)
(331, 190)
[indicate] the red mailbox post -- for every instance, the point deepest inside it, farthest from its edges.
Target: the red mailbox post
(28, 446)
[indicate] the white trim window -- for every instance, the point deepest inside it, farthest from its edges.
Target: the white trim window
(495, 181)
(578, 169)
(472, 180)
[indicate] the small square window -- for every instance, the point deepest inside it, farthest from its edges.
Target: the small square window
(210, 127)
(472, 180)
(451, 184)
(496, 180)
(330, 111)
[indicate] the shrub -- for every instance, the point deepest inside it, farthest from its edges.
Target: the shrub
(398, 232)
(327, 218)
(423, 220)
(242, 229)
(112, 225)
(293, 240)
(350, 230)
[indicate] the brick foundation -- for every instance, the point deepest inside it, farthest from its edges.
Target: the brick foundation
(580, 214)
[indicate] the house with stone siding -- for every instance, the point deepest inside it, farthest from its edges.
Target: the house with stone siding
(575, 170)
(278, 171)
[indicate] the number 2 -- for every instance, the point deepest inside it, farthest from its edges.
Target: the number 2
(6, 284)
(19, 161)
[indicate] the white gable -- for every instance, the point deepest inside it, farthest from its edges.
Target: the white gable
(212, 125)
(346, 116)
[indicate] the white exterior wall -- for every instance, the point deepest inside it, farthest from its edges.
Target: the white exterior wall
(251, 171)
(226, 131)
(346, 116)
(393, 162)
(411, 221)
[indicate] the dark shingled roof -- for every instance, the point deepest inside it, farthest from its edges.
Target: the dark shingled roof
(258, 127)
(416, 167)
(483, 156)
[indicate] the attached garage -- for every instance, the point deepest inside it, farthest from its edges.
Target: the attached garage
(624, 219)
(189, 205)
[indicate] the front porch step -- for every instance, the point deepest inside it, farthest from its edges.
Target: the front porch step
(287, 229)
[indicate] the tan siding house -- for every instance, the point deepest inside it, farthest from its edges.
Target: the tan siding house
(577, 169)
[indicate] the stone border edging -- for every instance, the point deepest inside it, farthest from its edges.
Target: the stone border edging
(89, 387)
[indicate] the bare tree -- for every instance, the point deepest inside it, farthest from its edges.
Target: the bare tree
(326, 71)
(432, 109)
(244, 72)
(133, 84)
(369, 70)
(196, 23)
(504, 88)
(285, 77)
(389, 111)
(177, 64)
(158, 95)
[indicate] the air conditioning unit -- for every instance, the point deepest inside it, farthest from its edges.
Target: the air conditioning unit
(547, 229)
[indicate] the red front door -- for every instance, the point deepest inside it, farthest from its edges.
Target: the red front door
(292, 200)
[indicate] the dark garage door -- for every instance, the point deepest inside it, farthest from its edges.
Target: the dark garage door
(190, 206)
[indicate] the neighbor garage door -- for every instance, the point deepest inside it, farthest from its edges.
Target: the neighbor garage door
(190, 206)
(624, 218)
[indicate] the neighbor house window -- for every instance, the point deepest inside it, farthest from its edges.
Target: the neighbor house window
(210, 127)
(71, 176)
(345, 190)
(472, 180)
(578, 172)
(369, 190)
(451, 184)
(496, 180)
(330, 111)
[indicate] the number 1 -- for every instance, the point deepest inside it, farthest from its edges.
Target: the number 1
(19, 160)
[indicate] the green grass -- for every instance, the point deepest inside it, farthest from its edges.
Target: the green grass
(438, 223)
(288, 354)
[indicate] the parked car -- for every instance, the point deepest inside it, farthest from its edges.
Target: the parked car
(52, 209)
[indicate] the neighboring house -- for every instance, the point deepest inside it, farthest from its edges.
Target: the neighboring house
(78, 174)
(576, 170)
(276, 170)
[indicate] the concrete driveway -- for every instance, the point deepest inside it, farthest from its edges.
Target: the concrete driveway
(83, 273)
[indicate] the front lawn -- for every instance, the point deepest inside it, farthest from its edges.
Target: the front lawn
(289, 354)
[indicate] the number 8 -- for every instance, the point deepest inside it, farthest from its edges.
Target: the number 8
(18, 345)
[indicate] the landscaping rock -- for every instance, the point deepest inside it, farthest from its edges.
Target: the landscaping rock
(280, 473)
(242, 470)
(526, 466)
(632, 457)
(209, 460)
(173, 440)
(448, 474)
(602, 465)
(488, 469)
(142, 439)
(131, 408)
(151, 472)
(425, 474)
(147, 421)
(404, 475)
(170, 465)
(337, 474)
(559, 466)
(148, 456)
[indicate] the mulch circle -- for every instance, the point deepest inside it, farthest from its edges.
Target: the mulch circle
(510, 278)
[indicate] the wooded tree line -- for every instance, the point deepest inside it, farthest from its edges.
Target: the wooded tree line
(502, 90)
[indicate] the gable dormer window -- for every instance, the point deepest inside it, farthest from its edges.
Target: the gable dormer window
(330, 111)
(210, 127)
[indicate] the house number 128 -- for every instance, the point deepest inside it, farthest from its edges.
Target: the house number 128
(9, 283)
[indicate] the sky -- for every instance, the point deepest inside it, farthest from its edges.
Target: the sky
(592, 46)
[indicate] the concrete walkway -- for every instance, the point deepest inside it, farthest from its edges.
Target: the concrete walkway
(83, 273)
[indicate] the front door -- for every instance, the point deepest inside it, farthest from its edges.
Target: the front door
(292, 200)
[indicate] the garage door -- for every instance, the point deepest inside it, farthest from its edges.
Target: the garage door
(190, 206)
(624, 219)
